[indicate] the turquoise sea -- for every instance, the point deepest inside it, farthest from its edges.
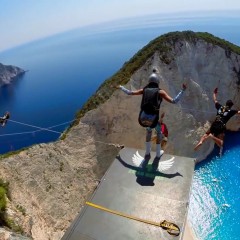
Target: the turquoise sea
(66, 69)
(214, 204)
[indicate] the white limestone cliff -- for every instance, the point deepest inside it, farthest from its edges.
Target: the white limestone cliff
(203, 67)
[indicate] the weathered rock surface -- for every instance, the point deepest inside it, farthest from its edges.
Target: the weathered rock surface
(202, 66)
(7, 235)
(52, 181)
(8, 73)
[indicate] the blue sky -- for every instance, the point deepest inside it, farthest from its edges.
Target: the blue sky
(22, 21)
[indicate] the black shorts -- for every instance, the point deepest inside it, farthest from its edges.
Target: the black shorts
(217, 128)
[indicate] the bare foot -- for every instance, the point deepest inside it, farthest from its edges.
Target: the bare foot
(218, 141)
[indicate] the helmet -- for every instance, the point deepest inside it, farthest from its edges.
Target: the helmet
(153, 78)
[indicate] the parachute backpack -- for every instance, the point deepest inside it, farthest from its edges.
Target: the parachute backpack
(222, 112)
(150, 105)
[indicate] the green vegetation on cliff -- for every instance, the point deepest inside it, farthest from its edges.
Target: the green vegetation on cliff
(5, 221)
(163, 45)
(3, 200)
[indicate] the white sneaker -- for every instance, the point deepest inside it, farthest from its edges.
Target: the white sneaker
(161, 153)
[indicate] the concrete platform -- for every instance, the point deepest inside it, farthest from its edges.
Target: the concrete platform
(142, 192)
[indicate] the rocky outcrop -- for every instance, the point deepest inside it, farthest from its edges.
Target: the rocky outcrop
(8, 73)
(5, 234)
(52, 181)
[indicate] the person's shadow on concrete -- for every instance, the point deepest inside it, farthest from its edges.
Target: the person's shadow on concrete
(146, 173)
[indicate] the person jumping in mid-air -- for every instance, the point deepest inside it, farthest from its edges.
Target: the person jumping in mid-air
(3, 120)
(218, 127)
(150, 106)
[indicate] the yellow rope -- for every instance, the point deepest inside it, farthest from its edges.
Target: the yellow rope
(167, 225)
(122, 214)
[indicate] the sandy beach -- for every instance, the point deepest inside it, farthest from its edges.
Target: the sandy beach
(188, 232)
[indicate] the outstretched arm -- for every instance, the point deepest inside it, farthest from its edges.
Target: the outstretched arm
(215, 95)
(129, 92)
(165, 96)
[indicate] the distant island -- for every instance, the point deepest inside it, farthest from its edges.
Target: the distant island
(8, 73)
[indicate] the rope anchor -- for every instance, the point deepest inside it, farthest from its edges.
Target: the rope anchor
(171, 228)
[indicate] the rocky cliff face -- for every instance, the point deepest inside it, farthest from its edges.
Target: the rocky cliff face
(202, 66)
(8, 73)
(52, 181)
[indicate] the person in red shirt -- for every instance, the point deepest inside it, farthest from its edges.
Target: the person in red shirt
(164, 131)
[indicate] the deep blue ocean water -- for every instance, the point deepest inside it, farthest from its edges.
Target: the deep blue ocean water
(66, 69)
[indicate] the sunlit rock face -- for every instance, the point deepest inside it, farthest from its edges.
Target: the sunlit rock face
(203, 67)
